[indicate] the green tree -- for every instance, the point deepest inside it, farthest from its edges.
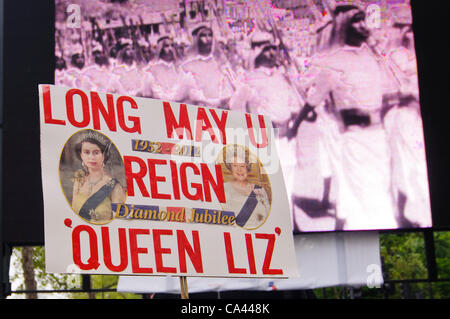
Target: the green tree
(47, 281)
(442, 250)
(403, 255)
(404, 258)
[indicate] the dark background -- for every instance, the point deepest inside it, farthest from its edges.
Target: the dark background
(28, 60)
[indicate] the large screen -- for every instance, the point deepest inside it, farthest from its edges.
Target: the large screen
(337, 78)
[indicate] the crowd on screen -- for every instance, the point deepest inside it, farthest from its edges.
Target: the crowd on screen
(349, 87)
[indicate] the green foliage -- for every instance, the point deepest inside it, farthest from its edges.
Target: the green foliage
(44, 280)
(403, 256)
(442, 250)
(47, 281)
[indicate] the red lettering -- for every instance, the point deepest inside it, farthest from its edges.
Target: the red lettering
(208, 180)
(221, 124)
(154, 179)
(159, 251)
(269, 251)
(195, 254)
(179, 126)
(135, 251)
(107, 250)
(136, 127)
(80, 104)
(262, 127)
(47, 104)
(92, 262)
(135, 176)
(136, 169)
(175, 183)
(250, 253)
(203, 124)
(230, 258)
(199, 193)
(108, 114)
(84, 105)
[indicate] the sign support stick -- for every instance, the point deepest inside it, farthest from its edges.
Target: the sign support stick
(184, 287)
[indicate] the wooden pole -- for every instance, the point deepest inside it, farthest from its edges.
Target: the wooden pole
(184, 287)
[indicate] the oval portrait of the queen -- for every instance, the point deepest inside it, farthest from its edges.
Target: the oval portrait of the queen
(92, 176)
(247, 187)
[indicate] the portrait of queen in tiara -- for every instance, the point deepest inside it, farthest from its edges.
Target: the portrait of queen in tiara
(92, 176)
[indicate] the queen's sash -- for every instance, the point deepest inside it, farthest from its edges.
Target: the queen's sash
(247, 209)
(98, 197)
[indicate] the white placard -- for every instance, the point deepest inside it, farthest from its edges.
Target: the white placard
(141, 186)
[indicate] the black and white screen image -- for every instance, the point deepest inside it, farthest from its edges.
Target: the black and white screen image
(337, 78)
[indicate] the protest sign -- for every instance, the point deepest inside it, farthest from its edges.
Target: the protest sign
(141, 186)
